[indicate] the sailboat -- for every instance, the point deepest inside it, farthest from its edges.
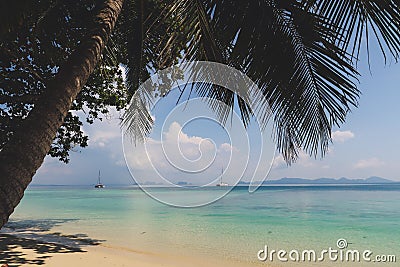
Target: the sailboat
(220, 179)
(99, 184)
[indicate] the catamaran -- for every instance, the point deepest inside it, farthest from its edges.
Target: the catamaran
(99, 184)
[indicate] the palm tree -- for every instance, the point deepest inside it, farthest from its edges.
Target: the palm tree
(302, 55)
(71, 79)
(44, 36)
(38, 130)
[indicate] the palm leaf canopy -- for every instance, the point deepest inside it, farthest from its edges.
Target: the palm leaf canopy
(301, 53)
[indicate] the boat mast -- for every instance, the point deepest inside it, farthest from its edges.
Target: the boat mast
(222, 172)
(99, 176)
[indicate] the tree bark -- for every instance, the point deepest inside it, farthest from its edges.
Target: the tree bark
(24, 153)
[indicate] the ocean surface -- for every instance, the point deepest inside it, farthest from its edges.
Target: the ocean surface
(235, 227)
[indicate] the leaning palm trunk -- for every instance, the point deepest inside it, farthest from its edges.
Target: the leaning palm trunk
(24, 153)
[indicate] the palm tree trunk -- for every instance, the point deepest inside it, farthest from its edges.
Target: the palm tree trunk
(24, 153)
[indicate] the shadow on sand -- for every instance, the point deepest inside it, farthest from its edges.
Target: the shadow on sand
(34, 235)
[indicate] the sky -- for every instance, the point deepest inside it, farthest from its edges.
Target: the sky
(366, 145)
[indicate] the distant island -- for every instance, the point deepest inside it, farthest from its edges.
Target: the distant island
(343, 180)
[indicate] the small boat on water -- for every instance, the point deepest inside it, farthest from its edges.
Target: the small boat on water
(220, 180)
(99, 184)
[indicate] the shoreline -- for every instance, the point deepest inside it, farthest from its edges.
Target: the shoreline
(105, 255)
(37, 247)
(118, 227)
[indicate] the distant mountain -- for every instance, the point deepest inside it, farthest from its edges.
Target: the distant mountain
(343, 180)
(375, 179)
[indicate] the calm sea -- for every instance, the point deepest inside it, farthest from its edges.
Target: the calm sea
(237, 226)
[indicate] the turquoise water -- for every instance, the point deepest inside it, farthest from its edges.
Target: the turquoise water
(235, 227)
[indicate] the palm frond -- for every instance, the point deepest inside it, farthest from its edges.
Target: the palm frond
(137, 121)
(193, 18)
(358, 20)
(301, 54)
(285, 49)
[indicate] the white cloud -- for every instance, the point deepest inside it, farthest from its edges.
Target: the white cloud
(279, 162)
(342, 136)
(53, 166)
(104, 133)
(227, 148)
(178, 154)
(304, 160)
(105, 137)
(179, 144)
(369, 163)
(180, 148)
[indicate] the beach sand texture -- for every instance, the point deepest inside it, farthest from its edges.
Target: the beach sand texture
(34, 249)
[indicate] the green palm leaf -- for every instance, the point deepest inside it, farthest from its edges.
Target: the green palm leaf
(301, 54)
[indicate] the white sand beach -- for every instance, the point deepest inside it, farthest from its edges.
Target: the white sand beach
(35, 253)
